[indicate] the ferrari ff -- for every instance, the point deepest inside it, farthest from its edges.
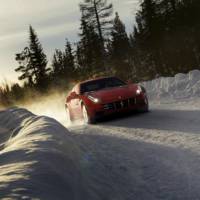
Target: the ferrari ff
(93, 99)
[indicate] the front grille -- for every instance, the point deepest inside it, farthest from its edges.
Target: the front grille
(109, 106)
(132, 101)
(120, 104)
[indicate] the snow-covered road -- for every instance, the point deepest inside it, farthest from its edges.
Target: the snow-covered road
(141, 156)
(150, 156)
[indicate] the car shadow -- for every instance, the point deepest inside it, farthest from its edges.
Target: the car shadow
(160, 119)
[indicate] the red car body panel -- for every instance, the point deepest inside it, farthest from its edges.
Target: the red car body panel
(112, 100)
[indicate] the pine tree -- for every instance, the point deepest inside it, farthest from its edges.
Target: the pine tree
(167, 40)
(148, 39)
(89, 54)
(38, 60)
(68, 61)
(25, 67)
(57, 64)
(33, 63)
(97, 13)
(120, 47)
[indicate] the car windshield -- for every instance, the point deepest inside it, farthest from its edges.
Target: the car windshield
(101, 84)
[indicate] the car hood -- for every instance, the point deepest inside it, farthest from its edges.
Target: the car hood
(115, 93)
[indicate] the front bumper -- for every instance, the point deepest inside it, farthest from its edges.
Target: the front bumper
(124, 105)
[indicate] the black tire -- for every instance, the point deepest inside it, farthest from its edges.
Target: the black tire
(86, 118)
(69, 118)
(145, 109)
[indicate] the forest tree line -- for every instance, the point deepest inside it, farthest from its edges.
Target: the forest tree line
(165, 40)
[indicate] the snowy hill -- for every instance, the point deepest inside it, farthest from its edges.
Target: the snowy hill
(181, 87)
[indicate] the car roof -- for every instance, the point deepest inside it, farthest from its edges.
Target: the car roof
(96, 79)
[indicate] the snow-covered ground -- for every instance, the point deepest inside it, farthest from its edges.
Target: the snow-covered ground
(179, 88)
(141, 156)
(38, 159)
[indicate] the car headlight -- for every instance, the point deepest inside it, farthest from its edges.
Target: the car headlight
(139, 90)
(94, 99)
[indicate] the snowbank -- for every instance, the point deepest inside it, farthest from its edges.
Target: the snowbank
(180, 87)
(38, 159)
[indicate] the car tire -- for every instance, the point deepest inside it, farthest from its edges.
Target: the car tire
(86, 117)
(68, 114)
(145, 109)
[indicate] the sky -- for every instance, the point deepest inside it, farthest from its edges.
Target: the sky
(53, 20)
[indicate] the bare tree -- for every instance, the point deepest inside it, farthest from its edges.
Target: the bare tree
(97, 13)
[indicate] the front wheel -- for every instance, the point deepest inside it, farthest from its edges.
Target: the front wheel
(86, 117)
(68, 114)
(145, 109)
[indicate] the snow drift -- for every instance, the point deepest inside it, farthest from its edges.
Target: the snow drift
(38, 159)
(180, 87)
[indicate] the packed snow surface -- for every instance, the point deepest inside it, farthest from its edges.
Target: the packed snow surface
(152, 156)
(180, 87)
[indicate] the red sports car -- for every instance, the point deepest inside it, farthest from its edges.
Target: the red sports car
(93, 99)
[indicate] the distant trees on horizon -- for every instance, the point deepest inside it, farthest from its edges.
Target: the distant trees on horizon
(164, 41)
